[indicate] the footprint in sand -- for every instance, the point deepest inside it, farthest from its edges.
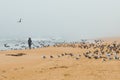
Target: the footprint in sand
(13, 77)
(63, 67)
(58, 67)
(3, 71)
(3, 76)
(22, 67)
(41, 71)
(18, 68)
(66, 75)
(15, 69)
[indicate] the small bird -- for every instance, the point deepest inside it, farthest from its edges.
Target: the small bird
(62, 54)
(20, 20)
(66, 54)
(58, 56)
(43, 57)
(103, 60)
(77, 58)
(71, 54)
(51, 56)
(79, 55)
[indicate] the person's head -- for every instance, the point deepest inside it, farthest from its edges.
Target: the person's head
(29, 38)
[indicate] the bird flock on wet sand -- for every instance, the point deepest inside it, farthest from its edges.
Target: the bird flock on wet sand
(75, 56)
(97, 50)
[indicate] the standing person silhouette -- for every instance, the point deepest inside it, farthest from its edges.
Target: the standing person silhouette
(29, 42)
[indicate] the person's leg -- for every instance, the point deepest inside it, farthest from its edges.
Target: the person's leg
(29, 46)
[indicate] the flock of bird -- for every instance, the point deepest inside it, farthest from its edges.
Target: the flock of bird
(77, 57)
(97, 50)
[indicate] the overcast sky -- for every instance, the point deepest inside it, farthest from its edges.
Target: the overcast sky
(70, 19)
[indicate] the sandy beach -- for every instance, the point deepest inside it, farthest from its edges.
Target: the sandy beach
(49, 64)
(59, 40)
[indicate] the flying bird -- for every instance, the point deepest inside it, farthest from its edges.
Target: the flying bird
(20, 20)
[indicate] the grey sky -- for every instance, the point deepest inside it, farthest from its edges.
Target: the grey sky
(63, 18)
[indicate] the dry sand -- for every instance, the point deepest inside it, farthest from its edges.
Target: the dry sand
(33, 67)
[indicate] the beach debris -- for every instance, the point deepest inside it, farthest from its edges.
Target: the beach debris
(18, 54)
